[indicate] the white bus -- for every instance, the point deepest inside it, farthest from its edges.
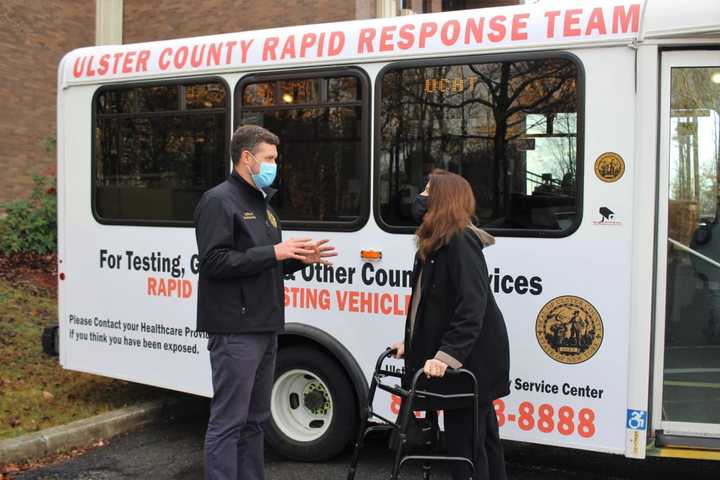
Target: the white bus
(589, 131)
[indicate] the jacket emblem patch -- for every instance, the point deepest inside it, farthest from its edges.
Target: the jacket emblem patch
(249, 216)
(272, 219)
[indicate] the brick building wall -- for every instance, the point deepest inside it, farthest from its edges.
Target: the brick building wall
(33, 38)
(35, 35)
(163, 19)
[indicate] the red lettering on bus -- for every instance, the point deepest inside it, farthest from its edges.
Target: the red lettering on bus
(308, 41)
(397, 309)
(288, 48)
(90, 72)
(143, 57)
(244, 49)
(168, 287)
(622, 19)
(228, 56)
(117, 58)
(324, 299)
(572, 20)
(365, 43)
(519, 27)
(551, 16)
(171, 286)
(474, 28)
(498, 29)
(427, 30)
(79, 66)
(152, 286)
(180, 57)
(596, 22)
(366, 302)
(163, 62)
(386, 38)
(337, 43)
(197, 55)
(321, 45)
(104, 64)
(450, 38)
(386, 299)
(269, 48)
(213, 55)
(353, 298)
(127, 63)
(406, 36)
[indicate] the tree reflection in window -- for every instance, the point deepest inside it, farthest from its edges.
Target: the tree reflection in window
(153, 156)
(509, 127)
(322, 168)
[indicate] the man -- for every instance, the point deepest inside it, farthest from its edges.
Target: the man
(241, 301)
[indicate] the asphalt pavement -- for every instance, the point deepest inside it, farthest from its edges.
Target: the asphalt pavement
(172, 450)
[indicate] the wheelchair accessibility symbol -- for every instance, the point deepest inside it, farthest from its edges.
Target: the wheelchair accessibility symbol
(637, 419)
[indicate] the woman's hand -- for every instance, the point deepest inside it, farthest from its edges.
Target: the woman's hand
(399, 348)
(434, 368)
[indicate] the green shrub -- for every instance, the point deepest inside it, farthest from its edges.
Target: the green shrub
(31, 224)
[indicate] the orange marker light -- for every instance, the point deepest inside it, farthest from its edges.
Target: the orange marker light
(372, 255)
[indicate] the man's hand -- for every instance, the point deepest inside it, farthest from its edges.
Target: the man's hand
(297, 248)
(434, 368)
(400, 349)
(320, 251)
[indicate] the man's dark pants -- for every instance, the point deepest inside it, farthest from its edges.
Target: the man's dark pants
(242, 375)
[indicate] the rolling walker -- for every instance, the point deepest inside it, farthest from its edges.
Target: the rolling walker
(412, 399)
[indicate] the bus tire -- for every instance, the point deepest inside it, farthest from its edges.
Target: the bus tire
(313, 406)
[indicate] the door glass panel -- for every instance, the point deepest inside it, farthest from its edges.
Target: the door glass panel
(691, 386)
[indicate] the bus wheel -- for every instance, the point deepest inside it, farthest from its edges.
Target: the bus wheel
(314, 412)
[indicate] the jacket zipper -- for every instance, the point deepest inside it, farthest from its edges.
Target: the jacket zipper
(243, 309)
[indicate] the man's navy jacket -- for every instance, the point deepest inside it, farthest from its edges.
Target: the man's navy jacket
(240, 286)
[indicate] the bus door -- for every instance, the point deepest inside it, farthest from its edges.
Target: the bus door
(686, 396)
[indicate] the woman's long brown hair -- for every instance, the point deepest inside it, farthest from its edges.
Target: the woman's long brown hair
(451, 207)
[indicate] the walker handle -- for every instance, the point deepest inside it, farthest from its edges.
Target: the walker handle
(450, 371)
(386, 354)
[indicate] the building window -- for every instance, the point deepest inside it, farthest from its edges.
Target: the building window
(509, 127)
(157, 149)
(322, 122)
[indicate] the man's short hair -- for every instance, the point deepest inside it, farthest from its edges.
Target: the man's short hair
(248, 137)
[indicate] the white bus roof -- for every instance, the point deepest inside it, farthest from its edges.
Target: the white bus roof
(549, 24)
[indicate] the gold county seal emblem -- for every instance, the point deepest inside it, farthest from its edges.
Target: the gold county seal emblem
(609, 167)
(272, 219)
(569, 329)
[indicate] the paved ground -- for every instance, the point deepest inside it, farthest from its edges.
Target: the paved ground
(172, 450)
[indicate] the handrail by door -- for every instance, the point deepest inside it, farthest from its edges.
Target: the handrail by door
(693, 252)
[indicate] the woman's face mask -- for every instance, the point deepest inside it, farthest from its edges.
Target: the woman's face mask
(419, 207)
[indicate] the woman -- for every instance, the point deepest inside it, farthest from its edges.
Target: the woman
(454, 320)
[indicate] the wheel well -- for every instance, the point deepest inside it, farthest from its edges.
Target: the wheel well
(303, 335)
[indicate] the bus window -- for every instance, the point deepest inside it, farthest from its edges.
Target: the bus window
(510, 128)
(157, 149)
(323, 159)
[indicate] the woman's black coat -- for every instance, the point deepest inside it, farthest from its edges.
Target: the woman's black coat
(458, 315)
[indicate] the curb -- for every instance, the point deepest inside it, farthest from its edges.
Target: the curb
(79, 433)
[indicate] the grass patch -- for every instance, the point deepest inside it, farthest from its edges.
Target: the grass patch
(35, 392)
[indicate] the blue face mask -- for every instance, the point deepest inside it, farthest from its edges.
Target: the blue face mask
(267, 174)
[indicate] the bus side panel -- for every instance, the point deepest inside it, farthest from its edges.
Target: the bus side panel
(116, 312)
